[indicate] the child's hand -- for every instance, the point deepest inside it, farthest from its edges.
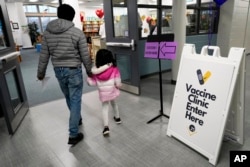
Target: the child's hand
(118, 86)
(90, 74)
(91, 81)
(88, 80)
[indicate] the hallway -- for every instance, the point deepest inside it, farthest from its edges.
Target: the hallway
(41, 140)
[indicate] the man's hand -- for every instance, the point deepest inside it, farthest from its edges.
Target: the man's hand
(40, 78)
(90, 74)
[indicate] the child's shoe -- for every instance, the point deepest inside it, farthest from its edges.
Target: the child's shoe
(105, 131)
(117, 120)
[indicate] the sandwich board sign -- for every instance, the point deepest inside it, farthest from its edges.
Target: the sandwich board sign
(235, 122)
(202, 98)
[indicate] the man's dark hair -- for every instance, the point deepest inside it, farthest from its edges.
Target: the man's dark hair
(104, 56)
(66, 12)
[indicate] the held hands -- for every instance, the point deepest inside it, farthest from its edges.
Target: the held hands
(40, 77)
(90, 74)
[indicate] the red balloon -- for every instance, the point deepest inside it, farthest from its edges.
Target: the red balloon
(99, 13)
(148, 19)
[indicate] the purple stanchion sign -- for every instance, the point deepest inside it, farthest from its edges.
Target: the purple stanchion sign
(151, 50)
(162, 50)
(168, 50)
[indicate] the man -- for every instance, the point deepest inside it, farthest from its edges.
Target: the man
(67, 47)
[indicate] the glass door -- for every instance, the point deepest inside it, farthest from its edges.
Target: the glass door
(122, 34)
(13, 99)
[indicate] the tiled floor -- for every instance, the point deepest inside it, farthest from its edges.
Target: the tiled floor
(41, 140)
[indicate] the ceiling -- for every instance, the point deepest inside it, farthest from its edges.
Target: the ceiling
(87, 3)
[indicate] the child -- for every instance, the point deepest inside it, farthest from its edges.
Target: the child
(106, 76)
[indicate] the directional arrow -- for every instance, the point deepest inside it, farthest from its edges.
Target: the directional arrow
(168, 50)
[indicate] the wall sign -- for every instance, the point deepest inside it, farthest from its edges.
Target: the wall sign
(15, 26)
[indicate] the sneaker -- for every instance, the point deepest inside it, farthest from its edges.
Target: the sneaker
(80, 122)
(75, 140)
(117, 120)
(105, 130)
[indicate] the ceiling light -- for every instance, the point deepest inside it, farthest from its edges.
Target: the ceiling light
(33, 0)
(55, 1)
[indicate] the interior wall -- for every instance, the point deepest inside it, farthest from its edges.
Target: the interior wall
(233, 26)
(239, 23)
(17, 15)
(14, 19)
(247, 36)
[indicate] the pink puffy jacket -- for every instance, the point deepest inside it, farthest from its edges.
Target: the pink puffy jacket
(108, 80)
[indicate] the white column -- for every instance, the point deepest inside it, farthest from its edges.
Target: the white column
(17, 15)
(24, 26)
(179, 29)
(75, 5)
(234, 26)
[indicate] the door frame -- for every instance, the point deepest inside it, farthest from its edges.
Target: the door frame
(125, 46)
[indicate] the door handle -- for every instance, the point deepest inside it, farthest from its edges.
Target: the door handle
(122, 44)
(133, 44)
(8, 57)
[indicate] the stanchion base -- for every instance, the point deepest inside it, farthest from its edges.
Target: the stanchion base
(157, 118)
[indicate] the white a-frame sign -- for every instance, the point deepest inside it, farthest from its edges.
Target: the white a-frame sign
(209, 89)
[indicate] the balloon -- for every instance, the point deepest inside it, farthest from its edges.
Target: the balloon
(148, 19)
(82, 16)
(99, 13)
(220, 2)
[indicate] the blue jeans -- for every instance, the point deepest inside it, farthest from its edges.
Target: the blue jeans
(71, 84)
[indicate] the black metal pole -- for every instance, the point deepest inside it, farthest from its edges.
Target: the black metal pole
(160, 76)
(161, 99)
(60, 2)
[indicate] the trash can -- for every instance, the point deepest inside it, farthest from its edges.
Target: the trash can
(38, 47)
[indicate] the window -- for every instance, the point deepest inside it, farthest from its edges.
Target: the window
(36, 20)
(191, 27)
(40, 14)
(155, 18)
(147, 2)
(3, 35)
(149, 21)
(30, 8)
(166, 21)
(45, 21)
(47, 9)
(120, 16)
(202, 16)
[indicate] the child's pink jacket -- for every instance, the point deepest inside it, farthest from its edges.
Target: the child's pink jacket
(108, 80)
